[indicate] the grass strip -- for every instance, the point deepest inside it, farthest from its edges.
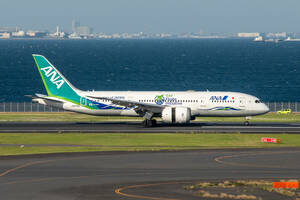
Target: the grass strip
(60, 117)
(137, 142)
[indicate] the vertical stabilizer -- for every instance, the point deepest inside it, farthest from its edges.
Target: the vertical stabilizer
(55, 83)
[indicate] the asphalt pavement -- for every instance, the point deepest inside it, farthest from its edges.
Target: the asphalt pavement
(136, 127)
(137, 175)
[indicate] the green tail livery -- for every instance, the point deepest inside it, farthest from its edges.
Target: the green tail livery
(58, 87)
(55, 83)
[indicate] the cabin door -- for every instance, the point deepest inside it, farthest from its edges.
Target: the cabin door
(83, 101)
(242, 102)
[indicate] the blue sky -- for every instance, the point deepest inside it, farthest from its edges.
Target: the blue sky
(155, 16)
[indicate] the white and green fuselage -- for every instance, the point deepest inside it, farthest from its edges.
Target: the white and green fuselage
(62, 94)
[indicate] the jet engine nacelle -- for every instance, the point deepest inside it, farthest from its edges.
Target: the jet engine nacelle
(181, 115)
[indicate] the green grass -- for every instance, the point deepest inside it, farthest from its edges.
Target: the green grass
(62, 117)
(75, 117)
(270, 117)
(137, 142)
(7, 151)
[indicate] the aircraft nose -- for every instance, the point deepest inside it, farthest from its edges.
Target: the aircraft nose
(265, 108)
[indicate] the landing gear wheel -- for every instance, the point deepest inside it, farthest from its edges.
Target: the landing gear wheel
(145, 123)
(246, 123)
(153, 122)
(149, 123)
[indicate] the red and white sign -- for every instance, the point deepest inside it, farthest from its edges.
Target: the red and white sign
(270, 140)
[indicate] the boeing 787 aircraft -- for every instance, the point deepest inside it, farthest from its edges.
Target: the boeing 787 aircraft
(171, 107)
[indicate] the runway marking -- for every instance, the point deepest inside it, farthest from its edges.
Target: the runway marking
(23, 166)
(44, 179)
(34, 163)
(126, 174)
(221, 158)
(119, 190)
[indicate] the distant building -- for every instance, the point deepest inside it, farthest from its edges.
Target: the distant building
(116, 35)
(104, 36)
(165, 35)
(81, 30)
(248, 35)
(258, 39)
(74, 36)
(8, 29)
(58, 33)
(75, 24)
(4, 35)
(36, 33)
(18, 34)
(277, 35)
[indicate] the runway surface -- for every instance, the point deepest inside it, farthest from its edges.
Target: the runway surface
(137, 175)
(136, 127)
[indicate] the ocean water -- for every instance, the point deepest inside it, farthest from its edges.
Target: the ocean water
(270, 71)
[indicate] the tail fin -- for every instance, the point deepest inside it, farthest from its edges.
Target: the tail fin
(55, 83)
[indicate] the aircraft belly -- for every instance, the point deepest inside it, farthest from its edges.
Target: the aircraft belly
(222, 113)
(110, 112)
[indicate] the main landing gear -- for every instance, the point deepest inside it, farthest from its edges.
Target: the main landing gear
(149, 123)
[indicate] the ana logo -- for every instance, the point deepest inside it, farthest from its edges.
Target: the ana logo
(218, 98)
(55, 78)
(159, 99)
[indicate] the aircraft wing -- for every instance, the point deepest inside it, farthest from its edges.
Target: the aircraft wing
(140, 107)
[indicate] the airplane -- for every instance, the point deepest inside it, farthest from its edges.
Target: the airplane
(172, 107)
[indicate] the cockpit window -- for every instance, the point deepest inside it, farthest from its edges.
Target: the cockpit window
(257, 101)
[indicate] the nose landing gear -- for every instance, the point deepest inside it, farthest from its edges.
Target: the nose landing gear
(247, 118)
